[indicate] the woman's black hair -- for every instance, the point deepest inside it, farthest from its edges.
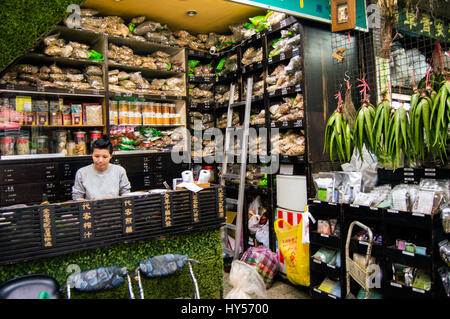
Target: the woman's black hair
(103, 144)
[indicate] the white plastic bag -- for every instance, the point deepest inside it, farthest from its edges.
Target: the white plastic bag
(246, 282)
(262, 235)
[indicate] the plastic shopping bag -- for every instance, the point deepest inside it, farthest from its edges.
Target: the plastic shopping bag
(265, 262)
(295, 251)
(246, 282)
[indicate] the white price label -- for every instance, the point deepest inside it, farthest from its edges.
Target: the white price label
(407, 253)
(331, 266)
(394, 284)
(317, 290)
(317, 261)
(325, 235)
(418, 214)
(282, 56)
(418, 290)
(393, 211)
(283, 23)
(283, 91)
(332, 296)
(365, 243)
(373, 208)
(317, 201)
(354, 205)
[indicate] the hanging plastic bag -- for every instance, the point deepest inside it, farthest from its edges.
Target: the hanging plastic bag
(246, 282)
(262, 235)
(294, 245)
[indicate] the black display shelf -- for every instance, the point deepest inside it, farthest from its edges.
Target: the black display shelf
(17, 89)
(146, 72)
(195, 106)
(363, 213)
(257, 66)
(319, 294)
(330, 241)
(360, 247)
(288, 124)
(232, 76)
(407, 219)
(284, 56)
(199, 54)
(300, 159)
(407, 258)
(403, 291)
(39, 58)
(201, 79)
(281, 25)
(331, 271)
(113, 95)
(285, 91)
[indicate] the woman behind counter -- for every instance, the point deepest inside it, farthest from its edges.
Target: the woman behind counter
(100, 179)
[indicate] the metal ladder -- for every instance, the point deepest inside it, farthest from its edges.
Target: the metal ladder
(243, 169)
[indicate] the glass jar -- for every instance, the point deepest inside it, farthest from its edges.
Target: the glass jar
(165, 114)
(158, 114)
(23, 144)
(172, 113)
(113, 113)
(71, 148)
(60, 141)
(94, 135)
(124, 113)
(42, 144)
(7, 145)
(80, 143)
(153, 110)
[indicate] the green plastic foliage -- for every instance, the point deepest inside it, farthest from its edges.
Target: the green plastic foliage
(24, 22)
(204, 246)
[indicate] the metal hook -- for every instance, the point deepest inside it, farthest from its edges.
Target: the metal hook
(346, 76)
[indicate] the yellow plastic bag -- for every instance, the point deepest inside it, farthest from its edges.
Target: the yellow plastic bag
(295, 252)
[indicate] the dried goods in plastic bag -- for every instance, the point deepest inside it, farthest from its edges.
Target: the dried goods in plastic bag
(162, 265)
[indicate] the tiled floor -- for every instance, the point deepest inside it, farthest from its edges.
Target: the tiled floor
(279, 290)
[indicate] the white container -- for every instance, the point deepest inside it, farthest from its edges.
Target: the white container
(292, 192)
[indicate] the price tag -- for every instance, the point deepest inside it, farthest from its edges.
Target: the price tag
(317, 290)
(10, 86)
(272, 93)
(284, 91)
(71, 91)
(354, 205)
(418, 290)
(179, 98)
(258, 35)
(317, 261)
(298, 88)
(418, 214)
(362, 242)
(283, 23)
(317, 201)
(270, 60)
(295, 51)
(374, 208)
(331, 266)
(392, 211)
(282, 56)
(272, 124)
(118, 94)
(332, 296)
(325, 235)
(163, 97)
(298, 123)
(430, 174)
(128, 94)
(408, 173)
(140, 96)
(394, 284)
(285, 124)
(407, 253)
(41, 89)
(332, 204)
(269, 29)
(410, 179)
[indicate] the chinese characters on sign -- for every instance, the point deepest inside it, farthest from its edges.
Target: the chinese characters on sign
(46, 215)
(86, 221)
(128, 216)
(195, 209)
(423, 24)
(167, 211)
(220, 201)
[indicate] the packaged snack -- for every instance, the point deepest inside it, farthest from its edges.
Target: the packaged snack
(93, 114)
(77, 114)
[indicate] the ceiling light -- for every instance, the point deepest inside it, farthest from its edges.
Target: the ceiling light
(191, 13)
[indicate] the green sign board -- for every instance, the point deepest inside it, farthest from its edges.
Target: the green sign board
(424, 25)
(319, 10)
